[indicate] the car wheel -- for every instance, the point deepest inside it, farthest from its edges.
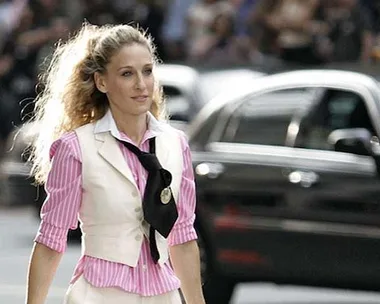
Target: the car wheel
(217, 289)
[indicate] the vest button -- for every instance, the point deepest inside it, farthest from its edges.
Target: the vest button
(137, 209)
(138, 237)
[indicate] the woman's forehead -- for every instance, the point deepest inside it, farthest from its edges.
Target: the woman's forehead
(132, 56)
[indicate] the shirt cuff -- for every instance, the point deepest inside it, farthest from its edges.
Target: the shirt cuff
(51, 236)
(182, 234)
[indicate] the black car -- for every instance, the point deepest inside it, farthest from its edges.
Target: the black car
(287, 174)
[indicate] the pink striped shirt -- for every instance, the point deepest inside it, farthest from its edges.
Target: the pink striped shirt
(60, 213)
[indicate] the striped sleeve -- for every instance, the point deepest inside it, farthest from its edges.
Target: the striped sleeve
(183, 230)
(59, 212)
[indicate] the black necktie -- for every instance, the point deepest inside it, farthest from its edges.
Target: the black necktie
(159, 207)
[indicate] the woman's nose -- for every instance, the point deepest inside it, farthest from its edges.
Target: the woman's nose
(140, 83)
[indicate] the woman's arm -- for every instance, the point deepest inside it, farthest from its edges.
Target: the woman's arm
(186, 264)
(59, 213)
(43, 265)
(183, 247)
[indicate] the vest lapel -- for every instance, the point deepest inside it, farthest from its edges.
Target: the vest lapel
(162, 150)
(109, 149)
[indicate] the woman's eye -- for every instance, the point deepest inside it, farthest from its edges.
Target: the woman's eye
(148, 71)
(127, 74)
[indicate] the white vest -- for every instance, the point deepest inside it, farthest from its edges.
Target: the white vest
(111, 216)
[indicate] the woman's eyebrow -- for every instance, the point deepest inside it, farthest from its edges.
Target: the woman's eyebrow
(125, 67)
(131, 67)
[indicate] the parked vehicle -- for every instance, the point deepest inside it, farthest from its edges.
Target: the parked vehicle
(287, 174)
(187, 89)
(179, 83)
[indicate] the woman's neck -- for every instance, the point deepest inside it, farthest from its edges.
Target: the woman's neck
(134, 126)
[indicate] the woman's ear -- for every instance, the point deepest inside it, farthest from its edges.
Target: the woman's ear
(100, 82)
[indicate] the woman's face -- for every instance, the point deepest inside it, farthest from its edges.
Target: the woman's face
(128, 81)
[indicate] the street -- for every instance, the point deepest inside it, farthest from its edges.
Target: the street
(17, 230)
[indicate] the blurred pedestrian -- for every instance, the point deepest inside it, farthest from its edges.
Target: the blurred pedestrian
(100, 151)
(10, 11)
(219, 45)
(174, 29)
(200, 17)
(350, 33)
(291, 20)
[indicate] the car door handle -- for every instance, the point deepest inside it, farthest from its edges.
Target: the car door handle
(305, 179)
(210, 170)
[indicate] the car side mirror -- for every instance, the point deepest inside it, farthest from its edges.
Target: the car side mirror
(357, 141)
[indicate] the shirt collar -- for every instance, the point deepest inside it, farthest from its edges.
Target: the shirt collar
(108, 124)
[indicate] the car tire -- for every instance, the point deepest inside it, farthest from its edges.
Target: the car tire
(217, 289)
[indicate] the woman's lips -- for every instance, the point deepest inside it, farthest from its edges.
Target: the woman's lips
(140, 98)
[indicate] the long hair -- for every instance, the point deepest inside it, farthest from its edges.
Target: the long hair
(69, 97)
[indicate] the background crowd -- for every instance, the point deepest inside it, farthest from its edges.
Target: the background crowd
(305, 32)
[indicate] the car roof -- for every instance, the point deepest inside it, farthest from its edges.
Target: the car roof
(291, 79)
(300, 78)
(215, 82)
(184, 75)
(230, 73)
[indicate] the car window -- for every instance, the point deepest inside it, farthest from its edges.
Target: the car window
(171, 91)
(265, 119)
(337, 110)
(202, 137)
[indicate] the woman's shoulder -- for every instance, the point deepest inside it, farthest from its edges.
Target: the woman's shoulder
(66, 138)
(86, 127)
(67, 142)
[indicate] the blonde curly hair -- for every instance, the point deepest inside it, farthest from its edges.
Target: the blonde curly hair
(69, 98)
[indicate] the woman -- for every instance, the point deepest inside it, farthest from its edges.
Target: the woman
(101, 104)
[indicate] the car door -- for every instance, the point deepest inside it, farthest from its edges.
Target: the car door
(240, 174)
(336, 195)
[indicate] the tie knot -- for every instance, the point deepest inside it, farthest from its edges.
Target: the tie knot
(149, 161)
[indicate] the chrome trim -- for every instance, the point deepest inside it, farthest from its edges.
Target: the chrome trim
(303, 226)
(288, 157)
